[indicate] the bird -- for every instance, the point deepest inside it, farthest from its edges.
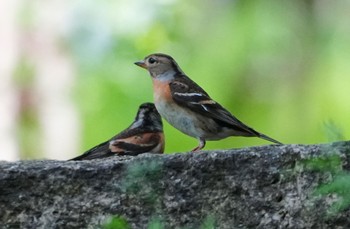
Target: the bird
(145, 134)
(188, 108)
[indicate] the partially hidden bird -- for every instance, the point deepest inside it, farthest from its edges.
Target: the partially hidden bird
(145, 134)
(187, 107)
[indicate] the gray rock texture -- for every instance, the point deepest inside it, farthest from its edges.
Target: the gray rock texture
(257, 187)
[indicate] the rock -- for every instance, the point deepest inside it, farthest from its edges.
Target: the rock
(257, 187)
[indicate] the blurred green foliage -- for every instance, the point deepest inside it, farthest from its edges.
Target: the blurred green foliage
(279, 66)
(331, 164)
(339, 186)
(118, 222)
(334, 132)
(156, 224)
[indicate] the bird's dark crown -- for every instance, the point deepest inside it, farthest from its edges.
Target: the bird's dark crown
(149, 115)
(147, 106)
(162, 55)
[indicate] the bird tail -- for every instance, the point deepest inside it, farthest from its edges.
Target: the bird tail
(100, 151)
(263, 136)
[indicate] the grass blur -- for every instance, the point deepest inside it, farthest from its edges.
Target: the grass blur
(279, 66)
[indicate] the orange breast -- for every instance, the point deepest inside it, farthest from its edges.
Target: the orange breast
(161, 91)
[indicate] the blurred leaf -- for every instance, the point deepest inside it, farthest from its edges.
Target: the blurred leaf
(209, 223)
(333, 131)
(155, 223)
(340, 186)
(116, 222)
(331, 163)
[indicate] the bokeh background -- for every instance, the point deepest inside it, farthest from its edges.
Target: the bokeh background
(68, 82)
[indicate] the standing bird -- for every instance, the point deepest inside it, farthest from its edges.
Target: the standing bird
(187, 107)
(145, 134)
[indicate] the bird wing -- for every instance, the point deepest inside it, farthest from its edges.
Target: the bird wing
(131, 144)
(187, 93)
(138, 143)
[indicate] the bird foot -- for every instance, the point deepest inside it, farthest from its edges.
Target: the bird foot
(200, 146)
(197, 149)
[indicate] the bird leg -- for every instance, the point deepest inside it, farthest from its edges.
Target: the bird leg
(200, 146)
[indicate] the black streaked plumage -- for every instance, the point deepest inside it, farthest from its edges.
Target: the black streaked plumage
(145, 134)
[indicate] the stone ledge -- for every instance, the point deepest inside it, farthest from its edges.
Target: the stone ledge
(257, 187)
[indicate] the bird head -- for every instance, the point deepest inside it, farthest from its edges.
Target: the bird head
(160, 65)
(148, 115)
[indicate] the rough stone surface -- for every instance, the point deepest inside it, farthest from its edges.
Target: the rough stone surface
(258, 187)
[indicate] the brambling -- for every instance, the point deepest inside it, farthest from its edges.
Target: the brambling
(145, 134)
(187, 107)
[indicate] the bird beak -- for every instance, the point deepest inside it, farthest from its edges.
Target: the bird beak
(141, 64)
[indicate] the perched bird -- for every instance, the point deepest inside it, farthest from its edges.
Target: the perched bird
(145, 134)
(187, 107)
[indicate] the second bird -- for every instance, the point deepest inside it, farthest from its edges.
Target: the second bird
(145, 134)
(187, 107)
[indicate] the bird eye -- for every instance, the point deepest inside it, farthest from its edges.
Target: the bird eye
(151, 60)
